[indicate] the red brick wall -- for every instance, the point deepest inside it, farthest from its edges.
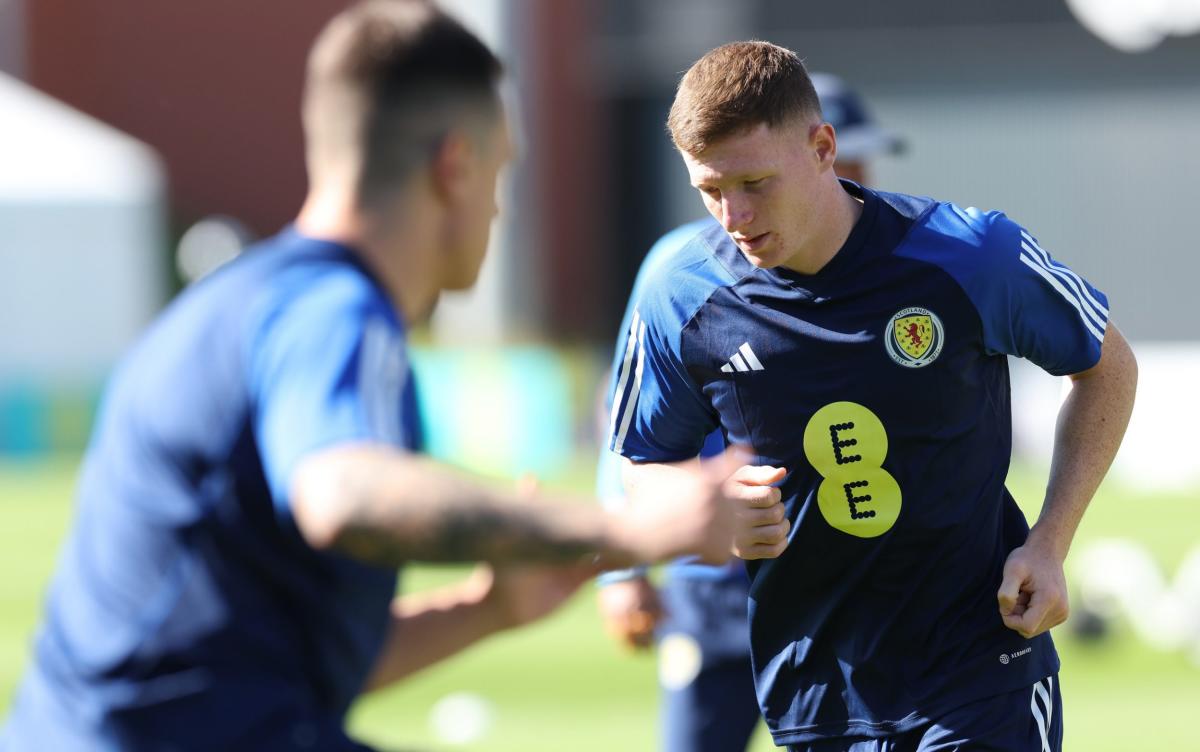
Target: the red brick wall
(214, 86)
(576, 235)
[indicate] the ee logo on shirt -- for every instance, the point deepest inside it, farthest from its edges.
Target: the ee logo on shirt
(847, 444)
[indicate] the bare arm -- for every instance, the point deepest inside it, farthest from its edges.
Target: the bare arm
(429, 627)
(760, 528)
(386, 507)
(1090, 427)
(1091, 424)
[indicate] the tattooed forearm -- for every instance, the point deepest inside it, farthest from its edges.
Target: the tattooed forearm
(397, 508)
(391, 536)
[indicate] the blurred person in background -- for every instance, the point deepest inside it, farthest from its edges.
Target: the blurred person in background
(858, 341)
(254, 479)
(699, 617)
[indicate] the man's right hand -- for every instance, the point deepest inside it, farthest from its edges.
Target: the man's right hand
(631, 610)
(762, 527)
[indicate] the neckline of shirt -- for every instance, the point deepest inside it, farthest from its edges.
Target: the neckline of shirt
(848, 256)
(351, 256)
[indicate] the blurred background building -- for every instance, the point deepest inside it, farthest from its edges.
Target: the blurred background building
(1019, 105)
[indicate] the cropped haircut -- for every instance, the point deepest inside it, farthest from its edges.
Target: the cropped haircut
(386, 80)
(738, 86)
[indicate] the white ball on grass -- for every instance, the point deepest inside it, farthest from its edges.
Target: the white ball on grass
(461, 718)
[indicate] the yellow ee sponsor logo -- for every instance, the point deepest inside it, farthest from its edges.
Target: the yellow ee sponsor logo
(847, 444)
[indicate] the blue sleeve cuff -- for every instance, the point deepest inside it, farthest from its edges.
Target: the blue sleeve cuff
(621, 575)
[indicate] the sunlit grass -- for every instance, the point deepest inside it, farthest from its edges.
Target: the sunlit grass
(563, 685)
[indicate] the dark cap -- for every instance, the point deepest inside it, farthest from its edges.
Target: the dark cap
(859, 137)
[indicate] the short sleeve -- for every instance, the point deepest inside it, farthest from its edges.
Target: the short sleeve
(326, 371)
(609, 485)
(1039, 309)
(1030, 305)
(659, 413)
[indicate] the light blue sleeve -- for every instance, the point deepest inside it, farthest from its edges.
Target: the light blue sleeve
(329, 367)
(609, 486)
(659, 413)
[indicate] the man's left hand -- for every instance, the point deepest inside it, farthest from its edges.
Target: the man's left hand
(518, 593)
(1033, 593)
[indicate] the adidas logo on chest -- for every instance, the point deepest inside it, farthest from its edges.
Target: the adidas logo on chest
(743, 360)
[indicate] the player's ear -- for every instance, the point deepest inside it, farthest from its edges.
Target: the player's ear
(451, 166)
(823, 142)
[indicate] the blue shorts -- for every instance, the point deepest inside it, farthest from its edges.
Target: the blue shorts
(1027, 720)
(707, 683)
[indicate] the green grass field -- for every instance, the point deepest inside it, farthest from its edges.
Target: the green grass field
(562, 685)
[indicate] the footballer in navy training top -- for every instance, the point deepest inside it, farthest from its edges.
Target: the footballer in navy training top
(858, 341)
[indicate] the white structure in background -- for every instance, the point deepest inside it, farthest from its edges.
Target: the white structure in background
(1137, 25)
(1159, 451)
(81, 238)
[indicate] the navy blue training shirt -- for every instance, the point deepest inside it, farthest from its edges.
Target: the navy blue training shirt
(881, 385)
(186, 611)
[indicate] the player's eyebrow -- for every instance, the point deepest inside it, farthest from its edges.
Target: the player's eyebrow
(742, 176)
(705, 178)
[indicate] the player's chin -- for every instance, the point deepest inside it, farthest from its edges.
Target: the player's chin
(458, 285)
(461, 279)
(762, 260)
(767, 257)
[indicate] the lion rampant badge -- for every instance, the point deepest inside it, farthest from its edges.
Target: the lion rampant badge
(914, 337)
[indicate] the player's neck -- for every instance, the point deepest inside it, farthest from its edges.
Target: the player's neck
(330, 215)
(398, 246)
(843, 211)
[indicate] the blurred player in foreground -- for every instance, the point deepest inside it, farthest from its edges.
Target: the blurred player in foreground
(857, 341)
(253, 482)
(699, 617)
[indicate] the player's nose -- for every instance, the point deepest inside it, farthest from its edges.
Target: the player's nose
(736, 215)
